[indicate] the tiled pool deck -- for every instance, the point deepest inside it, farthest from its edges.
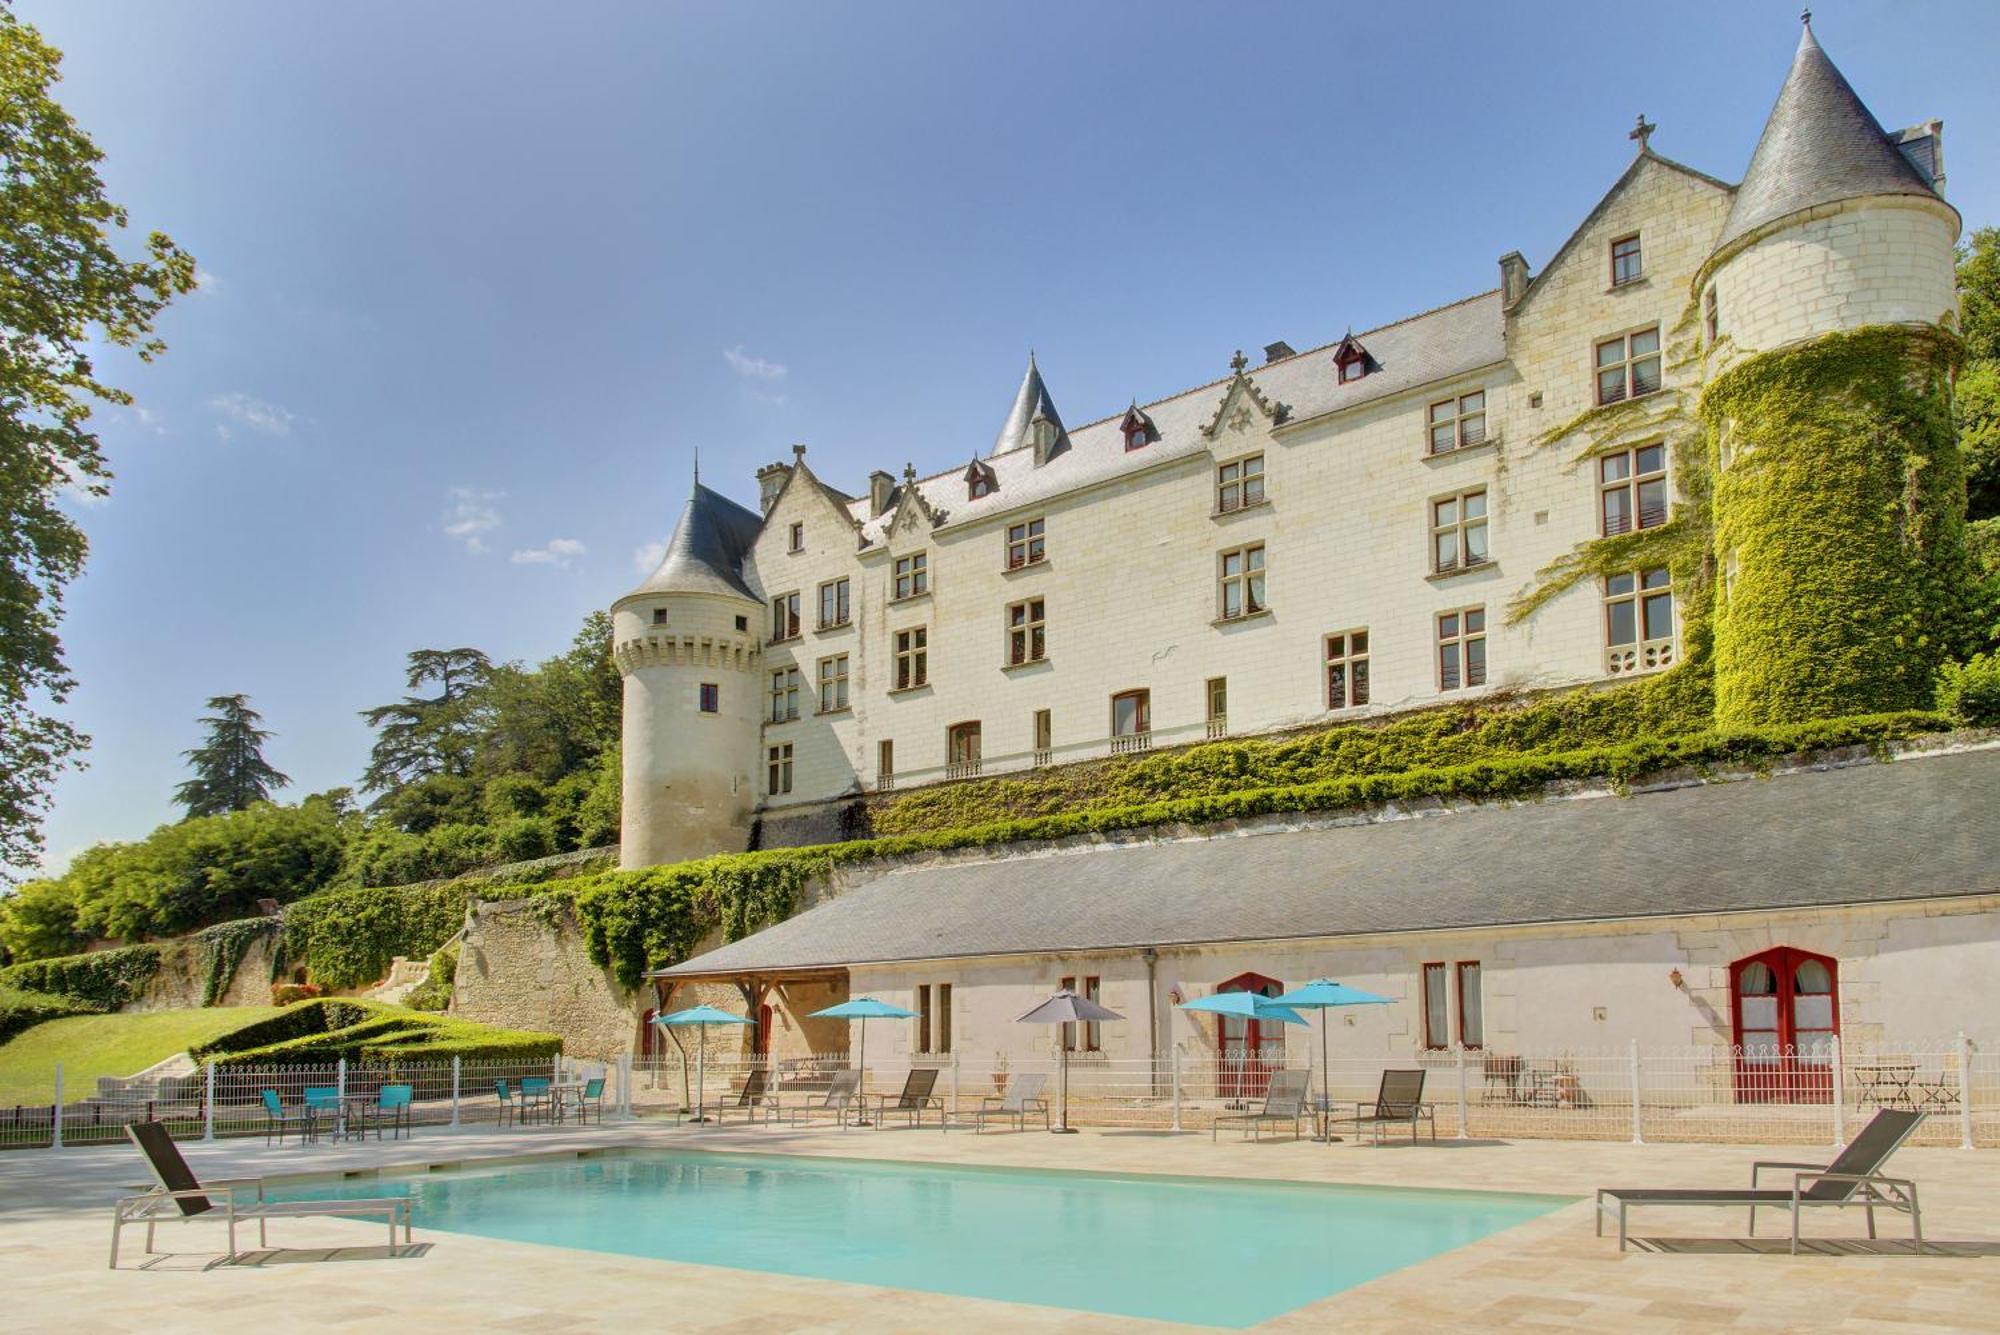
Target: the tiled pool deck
(1550, 1274)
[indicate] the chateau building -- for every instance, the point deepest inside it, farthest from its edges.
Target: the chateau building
(1319, 535)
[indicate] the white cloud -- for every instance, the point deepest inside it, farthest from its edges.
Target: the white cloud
(266, 419)
(555, 552)
(149, 419)
(206, 284)
(646, 557)
(470, 515)
(752, 368)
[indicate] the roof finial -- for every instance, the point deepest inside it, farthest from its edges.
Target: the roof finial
(798, 453)
(1805, 17)
(697, 465)
(1238, 362)
(909, 472)
(1642, 131)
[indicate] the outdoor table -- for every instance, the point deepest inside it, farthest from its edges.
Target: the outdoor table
(1885, 1084)
(560, 1094)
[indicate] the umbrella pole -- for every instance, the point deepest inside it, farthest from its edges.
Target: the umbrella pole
(860, 1085)
(700, 1073)
(1062, 1127)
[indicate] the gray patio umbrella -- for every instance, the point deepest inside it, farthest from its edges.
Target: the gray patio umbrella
(1066, 1007)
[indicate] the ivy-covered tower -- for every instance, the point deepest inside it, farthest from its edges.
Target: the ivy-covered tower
(686, 642)
(1827, 313)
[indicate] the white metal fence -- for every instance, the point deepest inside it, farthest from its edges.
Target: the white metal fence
(321, 1102)
(1721, 1094)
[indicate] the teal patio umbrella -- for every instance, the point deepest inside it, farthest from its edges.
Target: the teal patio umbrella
(864, 1009)
(1323, 994)
(701, 1017)
(1243, 1006)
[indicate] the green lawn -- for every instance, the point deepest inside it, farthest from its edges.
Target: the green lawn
(92, 1045)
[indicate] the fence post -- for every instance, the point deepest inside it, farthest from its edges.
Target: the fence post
(1176, 1053)
(954, 1084)
(455, 1060)
(625, 1085)
(1638, 1127)
(1964, 1091)
(340, 1096)
(208, 1105)
(1839, 1091)
(55, 1116)
(1464, 1104)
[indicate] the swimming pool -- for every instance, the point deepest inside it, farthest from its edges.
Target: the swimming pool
(1209, 1252)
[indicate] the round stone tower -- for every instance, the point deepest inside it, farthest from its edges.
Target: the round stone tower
(1825, 314)
(686, 642)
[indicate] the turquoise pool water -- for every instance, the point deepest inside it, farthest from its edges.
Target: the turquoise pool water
(1218, 1253)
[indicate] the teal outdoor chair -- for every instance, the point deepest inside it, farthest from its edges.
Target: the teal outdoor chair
(323, 1105)
(591, 1096)
(277, 1117)
(510, 1109)
(392, 1106)
(535, 1098)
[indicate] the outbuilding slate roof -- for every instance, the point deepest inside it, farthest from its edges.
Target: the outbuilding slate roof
(1821, 145)
(706, 553)
(1917, 828)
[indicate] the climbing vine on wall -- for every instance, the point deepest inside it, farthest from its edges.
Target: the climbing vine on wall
(1839, 514)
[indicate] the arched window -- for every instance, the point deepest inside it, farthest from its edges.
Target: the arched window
(1247, 1051)
(1785, 1010)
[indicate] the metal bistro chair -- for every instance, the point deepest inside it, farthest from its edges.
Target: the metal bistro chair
(392, 1105)
(323, 1103)
(277, 1117)
(535, 1100)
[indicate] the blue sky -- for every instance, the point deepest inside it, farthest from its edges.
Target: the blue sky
(480, 278)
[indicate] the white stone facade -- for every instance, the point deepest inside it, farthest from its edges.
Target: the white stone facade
(1135, 533)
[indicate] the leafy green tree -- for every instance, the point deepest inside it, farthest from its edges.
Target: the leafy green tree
(420, 736)
(558, 717)
(1979, 293)
(66, 287)
(230, 772)
(38, 921)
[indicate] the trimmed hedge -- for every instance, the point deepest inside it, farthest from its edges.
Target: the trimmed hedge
(641, 920)
(367, 1031)
(24, 1010)
(106, 979)
(347, 938)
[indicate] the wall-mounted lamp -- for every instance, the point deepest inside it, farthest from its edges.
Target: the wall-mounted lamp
(1674, 977)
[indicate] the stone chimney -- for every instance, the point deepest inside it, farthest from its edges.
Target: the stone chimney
(771, 480)
(1277, 352)
(1513, 278)
(881, 486)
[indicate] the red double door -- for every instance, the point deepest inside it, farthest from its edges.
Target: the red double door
(1247, 1051)
(1786, 1011)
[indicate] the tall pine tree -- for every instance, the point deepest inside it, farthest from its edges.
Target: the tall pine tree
(422, 736)
(230, 772)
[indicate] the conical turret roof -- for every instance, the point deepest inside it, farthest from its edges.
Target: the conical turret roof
(1821, 145)
(1033, 401)
(706, 553)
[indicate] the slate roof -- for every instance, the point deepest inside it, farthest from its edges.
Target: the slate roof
(1435, 345)
(706, 553)
(1920, 827)
(1031, 401)
(1820, 146)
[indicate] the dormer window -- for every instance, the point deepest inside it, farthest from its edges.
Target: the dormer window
(1352, 360)
(979, 481)
(1138, 429)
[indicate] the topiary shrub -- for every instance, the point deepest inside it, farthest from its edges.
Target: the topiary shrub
(1969, 692)
(107, 979)
(24, 1010)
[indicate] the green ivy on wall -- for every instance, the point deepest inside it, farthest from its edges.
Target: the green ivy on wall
(1839, 523)
(107, 978)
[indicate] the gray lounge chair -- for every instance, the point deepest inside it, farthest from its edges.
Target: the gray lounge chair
(1021, 1098)
(1284, 1101)
(1399, 1102)
(839, 1099)
(757, 1101)
(1854, 1178)
(181, 1196)
(915, 1097)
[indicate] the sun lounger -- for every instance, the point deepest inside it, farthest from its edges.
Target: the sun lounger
(914, 1098)
(181, 1196)
(1398, 1102)
(757, 1101)
(1854, 1178)
(1284, 1101)
(839, 1099)
(1021, 1098)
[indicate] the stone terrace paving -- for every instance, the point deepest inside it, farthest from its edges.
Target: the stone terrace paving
(1550, 1274)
